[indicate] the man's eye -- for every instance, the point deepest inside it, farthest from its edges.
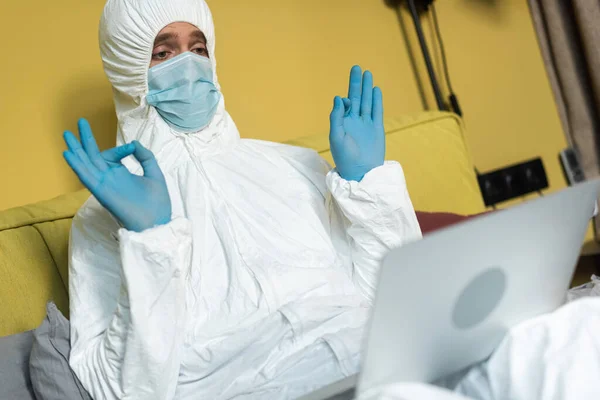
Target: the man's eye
(160, 55)
(201, 51)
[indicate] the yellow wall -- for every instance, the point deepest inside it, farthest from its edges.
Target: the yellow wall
(280, 64)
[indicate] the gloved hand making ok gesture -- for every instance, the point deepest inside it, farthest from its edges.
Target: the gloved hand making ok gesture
(356, 130)
(138, 202)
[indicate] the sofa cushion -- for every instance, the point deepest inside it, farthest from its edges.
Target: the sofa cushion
(61, 207)
(28, 278)
(56, 237)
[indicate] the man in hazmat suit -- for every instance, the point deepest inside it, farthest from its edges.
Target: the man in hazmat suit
(208, 266)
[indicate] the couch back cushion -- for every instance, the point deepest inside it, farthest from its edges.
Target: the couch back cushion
(28, 278)
(34, 242)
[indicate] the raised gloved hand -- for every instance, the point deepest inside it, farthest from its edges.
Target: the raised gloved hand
(138, 202)
(356, 130)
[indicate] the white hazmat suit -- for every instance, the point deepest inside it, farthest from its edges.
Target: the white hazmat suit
(260, 285)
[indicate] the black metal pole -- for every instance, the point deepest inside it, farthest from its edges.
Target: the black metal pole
(434, 83)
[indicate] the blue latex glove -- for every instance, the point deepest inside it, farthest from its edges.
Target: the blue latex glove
(138, 202)
(356, 130)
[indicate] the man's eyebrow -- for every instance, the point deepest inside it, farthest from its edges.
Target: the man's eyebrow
(164, 37)
(199, 35)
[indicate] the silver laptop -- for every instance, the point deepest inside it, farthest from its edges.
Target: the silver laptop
(445, 302)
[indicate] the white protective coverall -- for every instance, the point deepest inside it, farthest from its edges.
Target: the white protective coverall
(260, 285)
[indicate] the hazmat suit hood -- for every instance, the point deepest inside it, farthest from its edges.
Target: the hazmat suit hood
(127, 32)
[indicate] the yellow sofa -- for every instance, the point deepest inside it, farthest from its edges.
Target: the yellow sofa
(34, 238)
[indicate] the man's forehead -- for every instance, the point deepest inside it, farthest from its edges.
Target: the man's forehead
(172, 33)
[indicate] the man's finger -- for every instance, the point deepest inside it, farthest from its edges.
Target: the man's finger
(71, 142)
(116, 154)
(336, 119)
(366, 102)
(354, 92)
(89, 144)
(148, 162)
(377, 114)
(78, 152)
(347, 105)
(88, 179)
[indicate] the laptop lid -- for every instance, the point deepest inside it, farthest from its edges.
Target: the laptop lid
(445, 302)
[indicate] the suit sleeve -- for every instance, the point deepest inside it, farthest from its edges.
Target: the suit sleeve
(127, 305)
(378, 216)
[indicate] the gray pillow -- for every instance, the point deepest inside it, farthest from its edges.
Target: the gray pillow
(14, 367)
(51, 375)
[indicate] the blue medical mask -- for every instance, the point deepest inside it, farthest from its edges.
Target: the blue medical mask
(183, 92)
